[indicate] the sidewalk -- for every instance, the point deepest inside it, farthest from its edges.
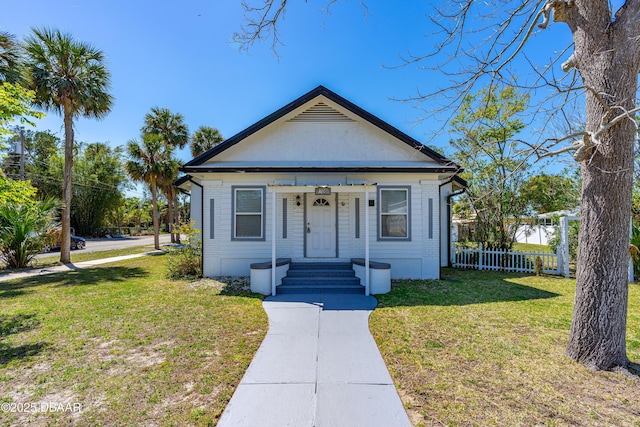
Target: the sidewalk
(317, 366)
(68, 267)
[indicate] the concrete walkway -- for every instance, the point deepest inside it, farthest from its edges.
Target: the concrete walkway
(67, 267)
(318, 366)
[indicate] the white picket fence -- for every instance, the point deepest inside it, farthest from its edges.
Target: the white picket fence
(502, 260)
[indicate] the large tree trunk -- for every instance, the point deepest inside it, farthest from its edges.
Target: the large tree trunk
(608, 65)
(154, 213)
(65, 244)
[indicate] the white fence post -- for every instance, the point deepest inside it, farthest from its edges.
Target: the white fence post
(480, 253)
(564, 244)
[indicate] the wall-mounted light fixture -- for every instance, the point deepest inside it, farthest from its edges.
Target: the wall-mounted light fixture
(298, 200)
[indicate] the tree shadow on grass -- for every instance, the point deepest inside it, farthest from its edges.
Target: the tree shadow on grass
(457, 291)
(12, 293)
(634, 369)
(234, 286)
(15, 324)
(80, 277)
(9, 353)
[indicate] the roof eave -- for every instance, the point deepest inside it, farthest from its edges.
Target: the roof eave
(321, 91)
(377, 169)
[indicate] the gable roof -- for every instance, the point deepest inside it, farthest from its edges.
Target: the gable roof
(444, 164)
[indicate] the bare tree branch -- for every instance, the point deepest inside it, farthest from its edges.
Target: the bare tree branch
(261, 23)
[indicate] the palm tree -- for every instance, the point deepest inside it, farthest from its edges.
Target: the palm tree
(147, 163)
(165, 183)
(204, 139)
(174, 133)
(10, 60)
(171, 127)
(69, 77)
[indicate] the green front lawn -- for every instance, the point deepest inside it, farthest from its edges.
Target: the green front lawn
(126, 344)
(133, 348)
(487, 349)
(52, 259)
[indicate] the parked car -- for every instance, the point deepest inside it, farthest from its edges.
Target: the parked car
(76, 243)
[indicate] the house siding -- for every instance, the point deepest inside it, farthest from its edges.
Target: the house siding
(417, 258)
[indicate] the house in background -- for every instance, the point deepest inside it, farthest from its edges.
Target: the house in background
(322, 180)
(541, 228)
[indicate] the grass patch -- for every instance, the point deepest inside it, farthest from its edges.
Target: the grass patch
(79, 256)
(128, 345)
(484, 348)
(531, 247)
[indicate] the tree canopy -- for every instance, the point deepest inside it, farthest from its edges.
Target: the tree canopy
(204, 139)
(494, 164)
(15, 102)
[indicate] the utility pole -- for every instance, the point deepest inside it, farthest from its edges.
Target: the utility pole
(22, 153)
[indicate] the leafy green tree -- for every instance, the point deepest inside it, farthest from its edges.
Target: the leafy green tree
(99, 178)
(15, 103)
(549, 193)
(138, 212)
(147, 163)
(69, 77)
(174, 133)
(43, 160)
(204, 139)
(486, 149)
(116, 216)
(16, 192)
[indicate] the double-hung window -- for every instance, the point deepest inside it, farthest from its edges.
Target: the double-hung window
(393, 213)
(248, 213)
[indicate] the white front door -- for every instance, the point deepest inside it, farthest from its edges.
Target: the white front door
(321, 227)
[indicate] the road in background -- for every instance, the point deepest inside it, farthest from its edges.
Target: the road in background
(104, 244)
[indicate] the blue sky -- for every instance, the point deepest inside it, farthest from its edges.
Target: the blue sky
(179, 55)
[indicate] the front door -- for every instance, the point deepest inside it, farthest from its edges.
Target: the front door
(321, 228)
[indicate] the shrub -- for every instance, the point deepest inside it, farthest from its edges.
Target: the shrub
(23, 231)
(185, 261)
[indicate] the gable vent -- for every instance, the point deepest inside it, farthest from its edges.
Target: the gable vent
(321, 112)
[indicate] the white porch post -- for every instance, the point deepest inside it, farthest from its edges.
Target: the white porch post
(564, 244)
(273, 242)
(366, 241)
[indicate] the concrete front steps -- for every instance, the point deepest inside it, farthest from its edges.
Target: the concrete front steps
(326, 277)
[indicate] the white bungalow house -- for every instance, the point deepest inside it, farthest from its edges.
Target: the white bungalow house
(322, 180)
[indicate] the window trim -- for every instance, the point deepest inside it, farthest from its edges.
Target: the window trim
(407, 189)
(263, 191)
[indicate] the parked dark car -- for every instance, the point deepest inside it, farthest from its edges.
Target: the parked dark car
(76, 243)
